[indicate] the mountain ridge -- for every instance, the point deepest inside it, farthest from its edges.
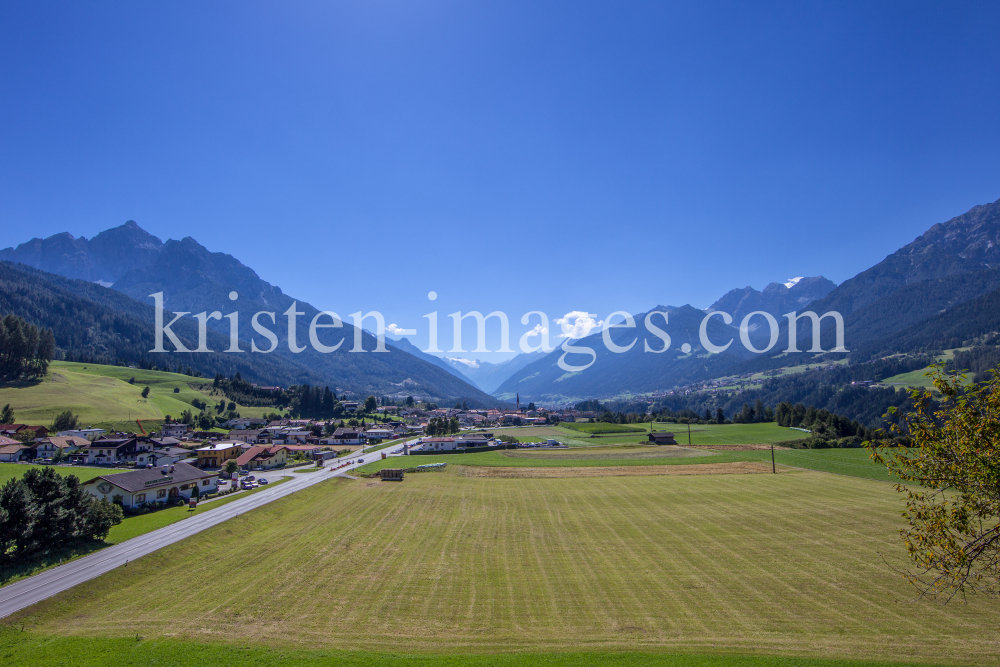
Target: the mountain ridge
(194, 279)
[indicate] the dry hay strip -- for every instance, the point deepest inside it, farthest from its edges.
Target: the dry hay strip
(735, 468)
(737, 448)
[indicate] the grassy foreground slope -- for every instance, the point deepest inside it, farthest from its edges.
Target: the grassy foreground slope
(102, 394)
(30, 650)
(17, 470)
(784, 564)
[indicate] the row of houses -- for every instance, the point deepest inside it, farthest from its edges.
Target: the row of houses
(250, 456)
(297, 435)
(12, 451)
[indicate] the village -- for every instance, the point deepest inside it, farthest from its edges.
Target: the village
(179, 464)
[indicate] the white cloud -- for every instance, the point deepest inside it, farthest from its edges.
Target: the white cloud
(471, 363)
(577, 324)
(792, 281)
(397, 331)
(537, 331)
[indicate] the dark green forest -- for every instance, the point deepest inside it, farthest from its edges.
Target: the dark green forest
(25, 349)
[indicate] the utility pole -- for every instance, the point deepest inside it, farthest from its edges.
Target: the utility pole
(689, 432)
(773, 468)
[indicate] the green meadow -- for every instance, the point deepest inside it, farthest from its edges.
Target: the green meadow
(444, 568)
(17, 470)
(850, 462)
(600, 434)
(103, 395)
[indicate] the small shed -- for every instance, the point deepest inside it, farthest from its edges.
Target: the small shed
(662, 438)
(391, 474)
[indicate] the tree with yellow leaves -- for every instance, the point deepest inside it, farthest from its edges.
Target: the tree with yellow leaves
(951, 477)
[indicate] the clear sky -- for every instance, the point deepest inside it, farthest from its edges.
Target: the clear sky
(512, 156)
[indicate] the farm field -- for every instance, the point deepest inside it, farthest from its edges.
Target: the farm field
(731, 434)
(786, 565)
(851, 462)
(622, 455)
(102, 394)
(701, 434)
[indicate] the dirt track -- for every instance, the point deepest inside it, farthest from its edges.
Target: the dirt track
(736, 468)
(736, 448)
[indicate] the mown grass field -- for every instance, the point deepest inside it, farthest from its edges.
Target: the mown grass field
(851, 462)
(606, 456)
(788, 565)
(101, 394)
(701, 434)
(601, 428)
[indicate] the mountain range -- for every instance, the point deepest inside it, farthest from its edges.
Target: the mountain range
(929, 294)
(130, 261)
(776, 299)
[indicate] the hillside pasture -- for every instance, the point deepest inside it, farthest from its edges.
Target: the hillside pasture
(103, 395)
(798, 565)
(17, 470)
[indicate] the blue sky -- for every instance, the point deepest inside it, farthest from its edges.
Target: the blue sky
(512, 156)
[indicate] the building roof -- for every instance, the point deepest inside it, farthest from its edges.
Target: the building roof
(346, 433)
(13, 449)
(146, 478)
(165, 441)
(258, 452)
(173, 451)
(438, 440)
(66, 441)
(110, 442)
(220, 446)
(8, 441)
(240, 431)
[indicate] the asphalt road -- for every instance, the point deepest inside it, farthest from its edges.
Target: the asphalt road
(27, 592)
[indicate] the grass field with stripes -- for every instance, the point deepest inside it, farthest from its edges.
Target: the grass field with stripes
(798, 564)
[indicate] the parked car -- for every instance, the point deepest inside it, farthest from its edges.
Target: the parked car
(250, 478)
(262, 481)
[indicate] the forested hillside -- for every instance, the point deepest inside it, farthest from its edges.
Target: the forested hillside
(827, 388)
